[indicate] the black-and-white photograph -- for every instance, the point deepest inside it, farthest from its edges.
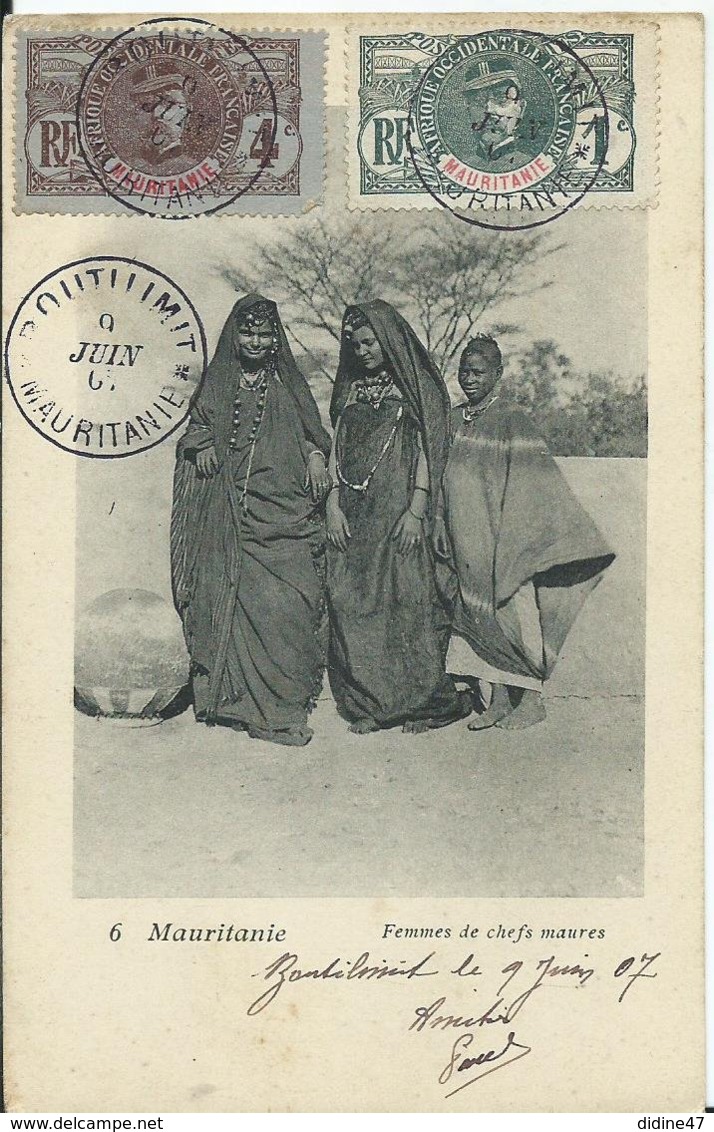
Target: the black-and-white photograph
(372, 621)
(352, 461)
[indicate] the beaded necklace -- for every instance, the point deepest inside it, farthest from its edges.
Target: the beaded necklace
(373, 392)
(368, 478)
(470, 412)
(261, 384)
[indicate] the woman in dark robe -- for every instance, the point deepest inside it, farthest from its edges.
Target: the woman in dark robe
(247, 534)
(388, 631)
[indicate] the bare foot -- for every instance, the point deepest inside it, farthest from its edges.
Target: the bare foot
(415, 726)
(498, 709)
(363, 726)
(531, 710)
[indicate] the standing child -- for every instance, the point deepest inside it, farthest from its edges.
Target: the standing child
(523, 551)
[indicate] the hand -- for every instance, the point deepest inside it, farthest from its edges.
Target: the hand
(207, 462)
(442, 546)
(407, 532)
(338, 529)
(317, 477)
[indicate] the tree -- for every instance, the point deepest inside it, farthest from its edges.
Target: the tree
(313, 272)
(591, 414)
(443, 276)
(451, 279)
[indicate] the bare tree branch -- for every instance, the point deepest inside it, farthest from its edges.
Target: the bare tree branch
(446, 277)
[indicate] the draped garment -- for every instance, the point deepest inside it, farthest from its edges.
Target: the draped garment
(248, 550)
(388, 628)
(520, 546)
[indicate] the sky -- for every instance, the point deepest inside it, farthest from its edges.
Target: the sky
(595, 307)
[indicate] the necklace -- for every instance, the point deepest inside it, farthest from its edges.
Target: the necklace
(373, 392)
(470, 412)
(368, 478)
(258, 379)
(261, 384)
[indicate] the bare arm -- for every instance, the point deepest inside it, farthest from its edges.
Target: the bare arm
(420, 497)
(338, 530)
(332, 461)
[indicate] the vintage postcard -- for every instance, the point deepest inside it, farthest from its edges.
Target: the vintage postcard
(353, 563)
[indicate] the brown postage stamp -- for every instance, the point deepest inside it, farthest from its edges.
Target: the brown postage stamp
(175, 118)
(352, 546)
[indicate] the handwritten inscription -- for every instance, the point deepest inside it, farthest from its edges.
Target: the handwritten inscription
(484, 1063)
(475, 1048)
(286, 969)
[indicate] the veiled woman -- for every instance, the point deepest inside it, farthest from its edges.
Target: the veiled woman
(388, 631)
(247, 535)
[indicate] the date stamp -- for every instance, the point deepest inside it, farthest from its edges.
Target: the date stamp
(172, 118)
(102, 357)
(506, 127)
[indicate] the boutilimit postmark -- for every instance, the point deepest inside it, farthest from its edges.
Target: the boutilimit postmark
(172, 118)
(102, 356)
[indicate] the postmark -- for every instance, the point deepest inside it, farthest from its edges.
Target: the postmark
(494, 121)
(102, 356)
(504, 121)
(172, 118)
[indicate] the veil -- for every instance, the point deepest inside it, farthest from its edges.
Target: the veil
(414, 373)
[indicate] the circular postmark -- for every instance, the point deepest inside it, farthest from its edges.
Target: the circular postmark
(164, 116)
(102, 356)
(492, 128)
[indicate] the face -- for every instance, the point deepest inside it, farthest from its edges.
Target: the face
(367, 348)
(478, 374)
(491, 125)
(169, 113)
(254, 342)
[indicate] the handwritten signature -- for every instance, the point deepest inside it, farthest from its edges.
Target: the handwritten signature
(466, 1057)
(459, 1062)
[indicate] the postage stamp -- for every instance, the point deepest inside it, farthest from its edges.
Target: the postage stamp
(127, 350)
(504, 121)
(353, 726)
(173, 118)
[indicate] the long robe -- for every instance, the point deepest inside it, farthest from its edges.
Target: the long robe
(248, 570)
(520, 547)
(388, 629)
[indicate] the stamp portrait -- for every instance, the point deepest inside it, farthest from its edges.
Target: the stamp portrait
(352, 592)
(502, 120)
(171, 118)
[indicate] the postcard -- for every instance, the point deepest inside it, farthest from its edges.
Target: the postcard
(353, 402)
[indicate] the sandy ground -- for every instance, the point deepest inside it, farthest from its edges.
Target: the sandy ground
(184, 810)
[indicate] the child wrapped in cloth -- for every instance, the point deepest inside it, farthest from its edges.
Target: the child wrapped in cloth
(519, 554)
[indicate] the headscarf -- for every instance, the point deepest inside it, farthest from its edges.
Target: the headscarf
(215, 395)
(414, 373)
(211, 423)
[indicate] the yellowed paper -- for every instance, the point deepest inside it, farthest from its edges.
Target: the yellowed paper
(439, 920)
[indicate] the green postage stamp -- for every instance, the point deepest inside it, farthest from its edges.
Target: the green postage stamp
(504, 121)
